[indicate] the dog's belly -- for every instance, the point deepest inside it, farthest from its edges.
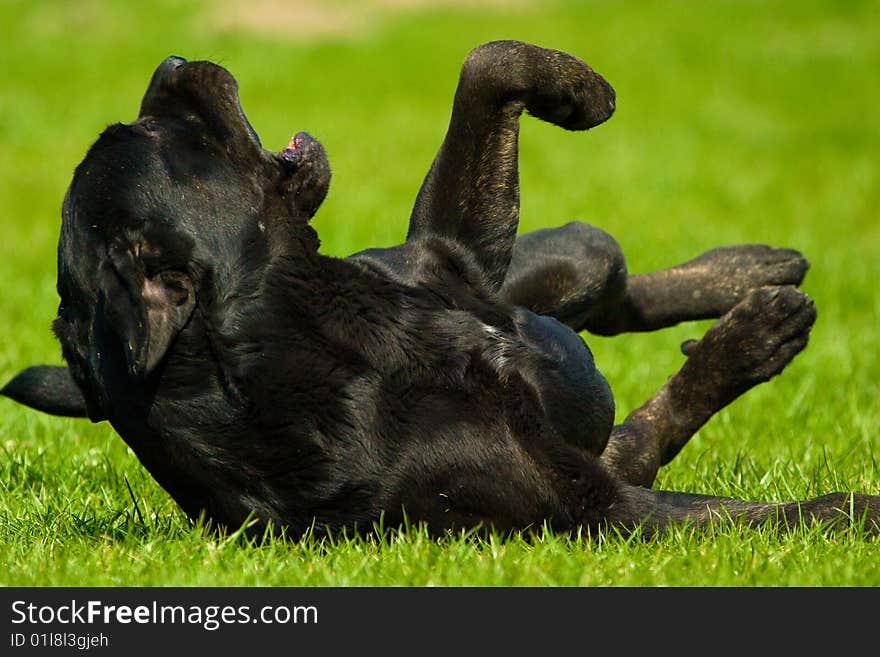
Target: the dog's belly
(547, 355)
(486, 445)
(460, 459)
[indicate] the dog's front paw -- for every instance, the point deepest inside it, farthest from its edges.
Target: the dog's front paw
(568, 93)
(750, 344)
(553, 85)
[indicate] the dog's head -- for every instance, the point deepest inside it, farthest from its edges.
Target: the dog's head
(160, 213)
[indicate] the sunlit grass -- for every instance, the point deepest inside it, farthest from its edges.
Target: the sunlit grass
(737, 122)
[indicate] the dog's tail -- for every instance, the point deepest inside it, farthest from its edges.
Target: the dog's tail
(652, 511)
(47, 388)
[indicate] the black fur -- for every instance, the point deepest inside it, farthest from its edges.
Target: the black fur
(441, 380)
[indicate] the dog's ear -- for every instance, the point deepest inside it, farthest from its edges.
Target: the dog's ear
(145, 312)
(47, 388)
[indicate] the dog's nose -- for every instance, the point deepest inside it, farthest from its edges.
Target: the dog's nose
(167, 67)
(172, 62)
(162, 77)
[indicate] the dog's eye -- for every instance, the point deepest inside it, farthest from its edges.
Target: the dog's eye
(151, 125)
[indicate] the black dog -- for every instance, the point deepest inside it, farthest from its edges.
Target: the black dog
(441, 380)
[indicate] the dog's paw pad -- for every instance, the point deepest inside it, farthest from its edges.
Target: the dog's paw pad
(756, 339)
(728, 274)
(748, 266)
(766, 265)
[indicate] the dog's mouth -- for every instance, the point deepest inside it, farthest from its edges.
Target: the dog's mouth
(308, 172)
(300, 147)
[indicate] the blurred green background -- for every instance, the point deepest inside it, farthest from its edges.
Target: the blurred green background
(737, 121)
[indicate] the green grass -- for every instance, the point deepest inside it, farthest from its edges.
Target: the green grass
(751, 121)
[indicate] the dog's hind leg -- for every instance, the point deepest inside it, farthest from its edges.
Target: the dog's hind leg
(654, 510)
(703, 288)
(470, 195)
(573, 273)
(750, 344)
(577, 274)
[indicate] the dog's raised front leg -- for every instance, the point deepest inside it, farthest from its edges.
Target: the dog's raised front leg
(750, 344)
(471, 192)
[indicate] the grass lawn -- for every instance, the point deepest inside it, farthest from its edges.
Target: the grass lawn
(747, 121)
